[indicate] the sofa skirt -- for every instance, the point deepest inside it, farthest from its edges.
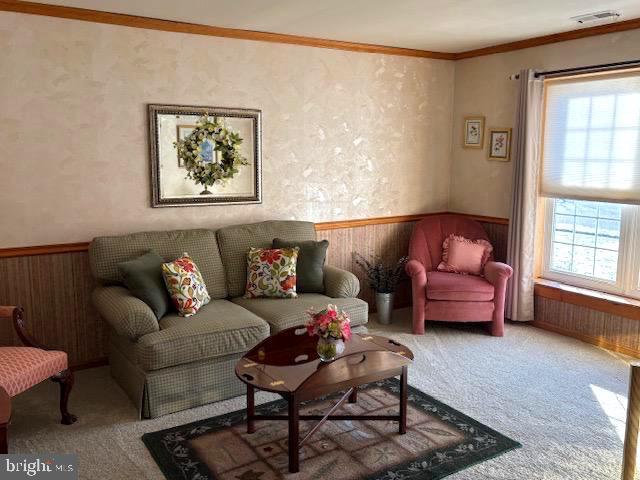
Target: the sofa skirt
(173, 389)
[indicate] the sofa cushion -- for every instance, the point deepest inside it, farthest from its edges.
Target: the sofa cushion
(143, 278)
(106, 252)
(462, 288)
(235, 242)
(462, 255)
(311, 258)
(185, 285)
(286, 313)
(271, 272)
(220, 328)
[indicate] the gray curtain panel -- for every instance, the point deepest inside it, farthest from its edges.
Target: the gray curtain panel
(524, 194)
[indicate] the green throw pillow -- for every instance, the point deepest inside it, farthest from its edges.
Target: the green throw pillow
(309, 270)
(143, 278)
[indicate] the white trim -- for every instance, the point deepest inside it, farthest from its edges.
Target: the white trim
(628, 271)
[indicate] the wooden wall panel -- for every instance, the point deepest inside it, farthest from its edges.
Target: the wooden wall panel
(55, 292)
(613, 332)
(388, 242)
(498, 234)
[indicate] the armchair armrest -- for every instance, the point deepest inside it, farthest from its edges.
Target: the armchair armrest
(340, 283)
(414, 268)
(16, 314)
(128, 315)
(497, 273)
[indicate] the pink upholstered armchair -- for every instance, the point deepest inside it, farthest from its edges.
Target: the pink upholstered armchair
(453, 297)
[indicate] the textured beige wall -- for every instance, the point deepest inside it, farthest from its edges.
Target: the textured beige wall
(482, 87)
(345, 135)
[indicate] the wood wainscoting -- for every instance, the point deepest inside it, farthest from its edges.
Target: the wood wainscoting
(607, 330)
(55, 292)
(53, 284)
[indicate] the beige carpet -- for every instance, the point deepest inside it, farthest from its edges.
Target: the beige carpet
(562, 399)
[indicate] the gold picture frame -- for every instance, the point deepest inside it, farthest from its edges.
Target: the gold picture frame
(499, 148)
(473, 132)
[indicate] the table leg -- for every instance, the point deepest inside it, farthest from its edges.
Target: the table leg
(251, 409)
(294, 425)
(403, 401)
(353, 398)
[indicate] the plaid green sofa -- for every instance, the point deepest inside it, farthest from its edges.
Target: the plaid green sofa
(177, 363)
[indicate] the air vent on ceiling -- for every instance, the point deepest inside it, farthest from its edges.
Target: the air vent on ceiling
(597, 17)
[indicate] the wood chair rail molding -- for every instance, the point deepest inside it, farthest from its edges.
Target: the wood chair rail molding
(84, 246)
(74, 13)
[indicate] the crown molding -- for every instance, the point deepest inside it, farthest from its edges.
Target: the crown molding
(632, 24)
(134, 21)
(32, 8)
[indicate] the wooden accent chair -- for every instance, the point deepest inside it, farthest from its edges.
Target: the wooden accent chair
(5, 415)
(23, 367)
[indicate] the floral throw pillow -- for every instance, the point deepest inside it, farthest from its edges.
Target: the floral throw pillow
(271, 272)
(461, 255)
(186, 287)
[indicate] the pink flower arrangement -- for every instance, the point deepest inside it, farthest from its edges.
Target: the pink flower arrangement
(329, 323)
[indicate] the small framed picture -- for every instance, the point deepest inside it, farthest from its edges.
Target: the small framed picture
(499, 144)
(473, 132)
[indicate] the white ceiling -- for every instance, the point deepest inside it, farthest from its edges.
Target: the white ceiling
(444, 26)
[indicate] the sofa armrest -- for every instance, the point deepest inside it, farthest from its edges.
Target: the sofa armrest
(497, 273)
(340, 283)
(129, 316)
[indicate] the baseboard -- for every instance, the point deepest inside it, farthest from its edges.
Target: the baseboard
(98, 362)
(598, 341)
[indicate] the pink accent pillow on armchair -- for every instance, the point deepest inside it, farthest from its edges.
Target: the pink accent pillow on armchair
(461, 255)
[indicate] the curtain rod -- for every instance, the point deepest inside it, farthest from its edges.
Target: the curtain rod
(583, 70)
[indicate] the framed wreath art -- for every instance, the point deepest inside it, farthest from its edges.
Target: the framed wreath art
(204, 155)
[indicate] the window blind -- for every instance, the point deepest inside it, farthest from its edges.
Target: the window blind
(591, 136)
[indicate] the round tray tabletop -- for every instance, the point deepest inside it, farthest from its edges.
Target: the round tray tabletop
(287, 362)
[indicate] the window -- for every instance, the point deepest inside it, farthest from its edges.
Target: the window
(593, 245)
(591, 178)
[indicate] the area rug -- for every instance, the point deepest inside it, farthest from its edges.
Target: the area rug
(439, 441)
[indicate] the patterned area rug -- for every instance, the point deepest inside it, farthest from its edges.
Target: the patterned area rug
(439, 441)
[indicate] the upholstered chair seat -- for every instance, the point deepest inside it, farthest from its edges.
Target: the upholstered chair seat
(23, 367)
(456, 287)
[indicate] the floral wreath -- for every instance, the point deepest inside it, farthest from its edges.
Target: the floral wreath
(197, 150)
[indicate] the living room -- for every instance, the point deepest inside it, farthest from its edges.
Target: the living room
(256, 224)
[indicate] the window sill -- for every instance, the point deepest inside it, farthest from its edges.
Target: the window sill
(584, 297)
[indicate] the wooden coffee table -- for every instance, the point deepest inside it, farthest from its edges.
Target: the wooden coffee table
(287, 364)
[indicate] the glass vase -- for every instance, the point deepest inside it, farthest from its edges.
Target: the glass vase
(329, 348)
